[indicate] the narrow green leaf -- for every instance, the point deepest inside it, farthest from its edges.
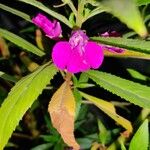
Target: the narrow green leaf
(7, 77)
(143, 2)
(20, 42)
(131, 91)
(78, 100)
(140, 140)
(103, 132)
(15, 12)
(49, 11)
(83, 78)
(130, 44)
(127, 12)
(20, 98)
(137, 75)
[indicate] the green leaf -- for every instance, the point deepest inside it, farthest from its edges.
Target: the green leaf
(7, 77)
(109, 109)
(78, 99)
(143, 2)
(85, 143)
(140, 140)
(131, 91)
(43, 146)
(137, 75)
(49, 11)
(15, 12)
(103, 133)
(127, 12)
(20, 42)
(130, 44)
(20, 98)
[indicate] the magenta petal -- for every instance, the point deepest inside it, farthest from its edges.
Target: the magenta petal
(61, 54)
(57, 29)
(52, 29)
(40, 20)
(113, 49)
(94, 54)
(77, 62)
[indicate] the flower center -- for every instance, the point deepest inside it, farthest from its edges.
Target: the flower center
(78, 40)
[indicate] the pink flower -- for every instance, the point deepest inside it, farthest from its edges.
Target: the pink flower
(110, 34)
(77, 55)
(112, 48)
(51, 28)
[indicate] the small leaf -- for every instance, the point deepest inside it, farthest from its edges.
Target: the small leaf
(62, 112)
(140, 140)
(49, 11)
(131, 91)
(129, 44)
(137, 75)
(15, 12)
(20, 98)
(109, 109)
(20, 42)
(123, 10)
(103, 133)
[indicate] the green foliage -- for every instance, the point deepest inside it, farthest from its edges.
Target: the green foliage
(49, 11)
(141, 138)
(87, 141)
(15, 12)
(21, 97)
(26, 91)
(127, 12)
(20, 42)
(137, 75)
(131, 91)
(103, 132)
(143, 2)
(109, 109)
(7, 77)
(43, 146)
(130, 44)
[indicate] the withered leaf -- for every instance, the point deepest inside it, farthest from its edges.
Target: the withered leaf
(109, 109)
(62, 112)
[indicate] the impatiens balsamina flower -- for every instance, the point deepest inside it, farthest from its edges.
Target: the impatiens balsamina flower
(52, 29)
(77, 55)
(112, 48)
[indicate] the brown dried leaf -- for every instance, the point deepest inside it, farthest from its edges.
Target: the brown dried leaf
(4, 48)
(62, 112)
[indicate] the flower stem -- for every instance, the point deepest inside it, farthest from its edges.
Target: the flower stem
(68, 77)
(94, 12)
(79, 18)
(71, 5)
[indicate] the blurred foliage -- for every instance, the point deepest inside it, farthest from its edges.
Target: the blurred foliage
(93, 128)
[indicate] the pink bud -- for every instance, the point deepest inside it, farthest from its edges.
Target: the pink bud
(52, 29)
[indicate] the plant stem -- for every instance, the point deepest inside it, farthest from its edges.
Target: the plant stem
(94, 12)
(79, 18)
(71, 5)
(68, 77)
